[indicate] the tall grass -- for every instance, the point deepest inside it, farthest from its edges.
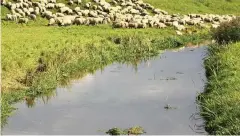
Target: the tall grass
(198, 6)
(221, 101)
(72, 56)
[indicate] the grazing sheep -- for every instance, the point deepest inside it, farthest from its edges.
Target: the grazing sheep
(64, 9)
(179, 33)
(33, 17)
(47, 14)
(87, 5)
(60, 5)
(31, 10)
(59, 14)
(51, 1)
(50, 5)
(13, 6)
(23, 20)
(66, 21)
(51, 21)
(180, 27)
(80, 21)
(92, 14)
(70, 2)
(160, 25)
(36, 11)
(9, 17)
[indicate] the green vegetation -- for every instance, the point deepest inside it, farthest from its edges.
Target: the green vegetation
(221, 100)
(228, 32)
(72, 52)
(136, 130)
(198, 6)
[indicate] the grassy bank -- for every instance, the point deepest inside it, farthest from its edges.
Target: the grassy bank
(71, 52)
(198, 6)
(221, 101)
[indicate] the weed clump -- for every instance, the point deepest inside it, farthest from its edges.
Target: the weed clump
(136, 130)
(227, 32)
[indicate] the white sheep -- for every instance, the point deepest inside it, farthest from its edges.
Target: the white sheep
(59, 14)
(80, 21)
(33, 17)
(52, 1)
(37, 10)
(60, 5)
(70, 2)
(50, 5)
(77, 9)
(51, 21)
(23, 20)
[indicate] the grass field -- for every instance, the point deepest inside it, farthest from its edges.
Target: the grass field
(75, 50)
(221, 101)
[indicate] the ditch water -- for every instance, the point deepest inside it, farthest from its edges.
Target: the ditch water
(123, 96)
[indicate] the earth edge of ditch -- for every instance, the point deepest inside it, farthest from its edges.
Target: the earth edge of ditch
(122, 49)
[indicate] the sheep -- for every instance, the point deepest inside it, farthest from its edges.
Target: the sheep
(36, 11)
(92, 14)
(44, 1)
(23, 20)
(67, 20)
(99, 8)
(47, 14)
(179, 33)
(31, 10)
(59, 14)
(180, 27)
(17, 15)
(70, 2)
(13, 6)
(175, 23)
(64, 9)
(132, 25)
(94, 7)
(120, 24)
(50, 5)
(160, 25)
(51, 1)
(32, 16)
(87, 5)
(25, 10)
(141, 25)
(18, 5)
(80, 21)
(51, 21)
(85, 12)
(9, 17)
(60, 5)
(35, 4)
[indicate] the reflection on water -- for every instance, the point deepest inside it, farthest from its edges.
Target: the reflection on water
(122, 95)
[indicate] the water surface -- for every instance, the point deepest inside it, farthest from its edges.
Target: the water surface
(122, 96)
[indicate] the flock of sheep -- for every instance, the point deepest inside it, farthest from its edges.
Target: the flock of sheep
(119, 13)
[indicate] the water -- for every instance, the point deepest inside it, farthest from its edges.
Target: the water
(122, 96)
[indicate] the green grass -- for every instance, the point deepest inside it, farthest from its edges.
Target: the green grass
(221, 101)
(198, 6)
(71, 52)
